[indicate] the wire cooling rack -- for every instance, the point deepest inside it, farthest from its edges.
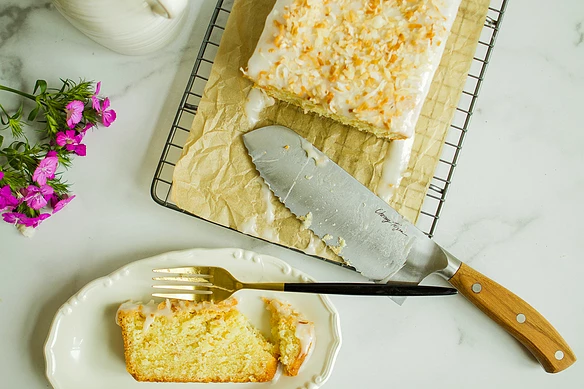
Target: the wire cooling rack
(436, 195)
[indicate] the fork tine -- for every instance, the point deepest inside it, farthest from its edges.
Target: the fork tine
(196, 280)
(183, 287)
(182, 270)
(181, 296)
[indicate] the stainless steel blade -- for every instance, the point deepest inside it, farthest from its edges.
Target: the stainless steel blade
(363, 229)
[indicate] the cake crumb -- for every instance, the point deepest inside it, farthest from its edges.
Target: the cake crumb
(306, 221)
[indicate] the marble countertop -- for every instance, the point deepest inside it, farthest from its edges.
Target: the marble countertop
(514, 211)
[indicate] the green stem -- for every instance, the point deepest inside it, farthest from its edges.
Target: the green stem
(23, 94)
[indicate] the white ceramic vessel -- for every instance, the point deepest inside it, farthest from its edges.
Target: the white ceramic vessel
(132, 27)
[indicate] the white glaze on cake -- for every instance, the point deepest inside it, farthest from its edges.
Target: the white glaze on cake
(152, 310)
(311, 152)
(305, 334)
(304, 331)
(395, 163)
(256, 102)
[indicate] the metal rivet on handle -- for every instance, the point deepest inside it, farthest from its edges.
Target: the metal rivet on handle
(477, 288)
(520, 318)
(559, 355)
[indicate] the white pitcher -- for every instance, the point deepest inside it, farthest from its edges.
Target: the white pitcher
(132, 27)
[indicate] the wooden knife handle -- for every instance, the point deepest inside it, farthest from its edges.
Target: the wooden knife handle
(517, 317)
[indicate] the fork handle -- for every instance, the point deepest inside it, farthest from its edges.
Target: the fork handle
(364, 289)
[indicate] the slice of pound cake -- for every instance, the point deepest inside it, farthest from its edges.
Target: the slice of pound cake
(180, 341)
(293, 334)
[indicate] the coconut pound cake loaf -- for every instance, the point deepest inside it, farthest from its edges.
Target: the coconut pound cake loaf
(181, 341)
(365, 63)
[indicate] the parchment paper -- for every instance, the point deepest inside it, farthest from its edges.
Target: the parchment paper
(216, 180)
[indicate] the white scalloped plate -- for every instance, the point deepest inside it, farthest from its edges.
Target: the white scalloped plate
(85, 350)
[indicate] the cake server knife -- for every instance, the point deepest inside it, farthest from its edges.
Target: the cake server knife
(374, 238)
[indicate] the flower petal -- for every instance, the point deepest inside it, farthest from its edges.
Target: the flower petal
(61, 204)
(108, 117)
(46, 191)
(81, 150)
(61, 139)
(34, 221)
(95, 104)
(74, 112)
(46, 169)
(87, 127)
(13, 217)
(70, 134)
(37, 201)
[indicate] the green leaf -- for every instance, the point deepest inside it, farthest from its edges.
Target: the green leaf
(18, 113)
(3, 114)
(1, 140)
(42, 84)
(34, 113)
(65, 85)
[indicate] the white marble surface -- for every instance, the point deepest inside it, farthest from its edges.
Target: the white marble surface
(514, 211)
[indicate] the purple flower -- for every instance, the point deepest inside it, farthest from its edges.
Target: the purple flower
(34, 221)
(94, 99)
(80, 150)
(46, 170)
(71, 141)
(7, 199)
(52, 153)
(108, 116)
(65, 138)
(60, 204)
(1, 175)
(37, 197)
(74, 112)
(14, 217)
(87, 127)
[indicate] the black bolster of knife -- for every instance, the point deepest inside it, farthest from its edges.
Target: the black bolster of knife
(365, 289)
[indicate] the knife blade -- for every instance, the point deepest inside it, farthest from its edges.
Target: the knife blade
(381, 244)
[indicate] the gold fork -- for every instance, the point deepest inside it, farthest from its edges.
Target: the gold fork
(205, 283)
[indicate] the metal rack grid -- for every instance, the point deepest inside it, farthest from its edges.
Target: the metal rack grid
(436, 195)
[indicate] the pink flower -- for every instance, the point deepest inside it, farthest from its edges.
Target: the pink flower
(1, 175)
(14, 217)
(74, 112)
(94, 99)
(71, 141)
(108, 116)
(86, 128)
(52, 153)
(35, 221)
(60, 204)
(46, 170)
(80, 150)
(7, 199)
(37, 197)
(65, 138)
